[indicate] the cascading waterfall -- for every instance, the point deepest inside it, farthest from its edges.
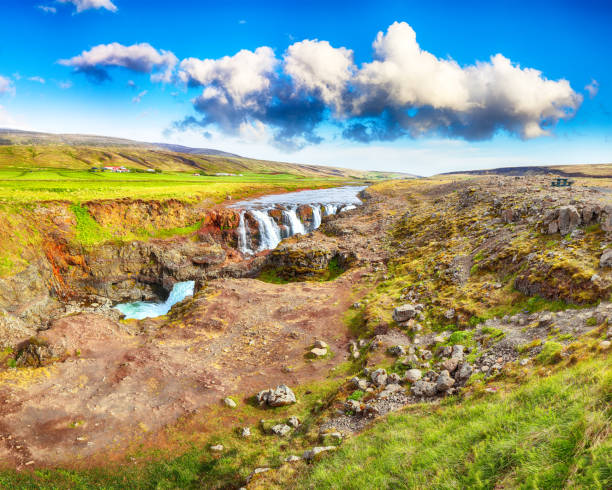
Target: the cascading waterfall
(294, 223)
(323, 202)
(316, 216)
(269, 231)
(330, 209)
(243, 236)
(145, 309)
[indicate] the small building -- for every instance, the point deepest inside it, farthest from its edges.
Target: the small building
(116, 169)
(151, 170)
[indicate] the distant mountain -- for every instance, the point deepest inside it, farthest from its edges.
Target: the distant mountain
(33, 150)
(195, 151)
(599, 170)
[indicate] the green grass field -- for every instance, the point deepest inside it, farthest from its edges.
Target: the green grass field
(24, 186)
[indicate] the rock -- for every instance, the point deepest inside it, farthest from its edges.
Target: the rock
(604, 345)
(319, 344)
(360, 384)
(292, 459)
(423, 388)
(393, 378)
(463, 372)
(397, 351)
(246, 432)
(389, 389)
(413, 375)
(318, 352)
(279, 397)
(281, 429)
(353, 406)
(606, 258)
(426, 355)
(294, 422)
(451, 364)
(457, 351)
(444, 381)
(524, 362)
(406, 312)
(568, 220)
(379, 377)
(371, 411)
(218, 448)
(312, 453)
(256, 471)
(410, 360)
(229, 403)
(449, 314)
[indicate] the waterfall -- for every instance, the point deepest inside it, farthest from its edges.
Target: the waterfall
(348, 208)
(316, 216)
(244, 244)
(144, 309)
(269, 232)
(330, 209)
(295, 225)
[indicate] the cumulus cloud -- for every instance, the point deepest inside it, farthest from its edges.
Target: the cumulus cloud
(82, 5)
(6, 86)
(404, 91)
(592, 88)
(142, 58)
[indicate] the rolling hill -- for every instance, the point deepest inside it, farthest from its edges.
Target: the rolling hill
(31, 150)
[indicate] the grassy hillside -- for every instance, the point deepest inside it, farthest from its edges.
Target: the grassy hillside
(29, 151)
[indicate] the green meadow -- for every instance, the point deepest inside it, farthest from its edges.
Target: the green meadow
(25, 186)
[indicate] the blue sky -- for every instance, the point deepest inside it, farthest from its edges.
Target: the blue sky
(310, 86)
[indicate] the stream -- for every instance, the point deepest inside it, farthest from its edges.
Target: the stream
(323, 202)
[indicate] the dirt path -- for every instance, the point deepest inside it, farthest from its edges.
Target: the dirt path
(237, 337)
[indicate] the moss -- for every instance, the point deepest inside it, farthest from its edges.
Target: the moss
(87, 231)
(551, 353)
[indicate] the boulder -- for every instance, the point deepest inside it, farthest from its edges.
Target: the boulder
(606, 258)
(353, 406)
(292, 459)
(451, 364)
(568, 220)
(319, 344)
(316, 352)
(406, 312)
(413, 375)
(393, 378)
(280, 429)
(279, 397)
(397, 351)
(294, 422)
(359, 384)
(444, 381)
(312, 453)
(464, 371)
(423, 388)
(457, 352)
(229, 403)
(379, 377)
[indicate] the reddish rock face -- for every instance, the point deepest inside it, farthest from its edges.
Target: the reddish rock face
(305, 213)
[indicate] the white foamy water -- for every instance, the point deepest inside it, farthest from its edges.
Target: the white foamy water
(330, 201)
(144, 309)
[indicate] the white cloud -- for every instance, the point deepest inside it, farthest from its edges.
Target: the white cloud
(232, 78)
(64, 84)
(403, 91)
(142, 58)
(37, 79)
(82, 5)
(473, 101)
(138, 98)
(242, 21)
(592, 88)
(6, 86)
(318, 67)
(47, 9)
